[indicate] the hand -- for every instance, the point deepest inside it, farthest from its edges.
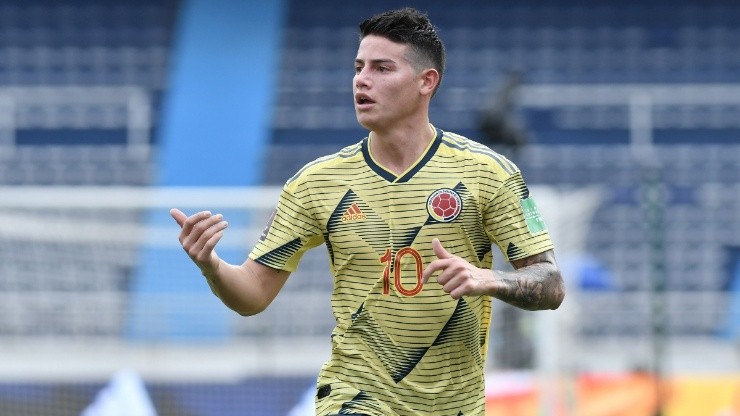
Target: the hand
(199, 235)
(458, 277)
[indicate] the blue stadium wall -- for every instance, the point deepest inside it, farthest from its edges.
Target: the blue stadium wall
(213, 132)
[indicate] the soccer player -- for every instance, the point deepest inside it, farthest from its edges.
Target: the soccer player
(409, 216)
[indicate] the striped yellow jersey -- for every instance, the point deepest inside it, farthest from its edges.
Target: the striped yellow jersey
(400, 347)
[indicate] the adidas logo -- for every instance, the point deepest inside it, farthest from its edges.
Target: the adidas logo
(353, 213)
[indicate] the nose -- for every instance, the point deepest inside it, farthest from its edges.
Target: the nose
(361, 80)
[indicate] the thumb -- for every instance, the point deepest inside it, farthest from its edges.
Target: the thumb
(179, 216)
(440, 251)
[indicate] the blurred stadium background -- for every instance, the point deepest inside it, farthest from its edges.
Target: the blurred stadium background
(624, 117)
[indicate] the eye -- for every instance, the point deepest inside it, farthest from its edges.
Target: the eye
(383, 69)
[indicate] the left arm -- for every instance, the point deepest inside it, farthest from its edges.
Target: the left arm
(536, 284)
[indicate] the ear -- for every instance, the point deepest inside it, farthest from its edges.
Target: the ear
(428, 80)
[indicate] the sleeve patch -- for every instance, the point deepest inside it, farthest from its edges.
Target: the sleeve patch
(535, 223)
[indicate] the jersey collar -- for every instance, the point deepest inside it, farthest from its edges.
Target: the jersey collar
(406, 176)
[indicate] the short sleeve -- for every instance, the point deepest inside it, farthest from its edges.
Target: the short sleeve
(290, 232)
(513, 221)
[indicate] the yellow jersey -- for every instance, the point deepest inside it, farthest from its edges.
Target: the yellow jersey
(401, 347)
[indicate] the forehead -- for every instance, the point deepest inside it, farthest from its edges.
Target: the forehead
(373, 47)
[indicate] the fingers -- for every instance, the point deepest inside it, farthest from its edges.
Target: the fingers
(190, 222)
(432, 268)
(200, 233)
(436, 265)
(202, 230)
(439, 251)
(179, 216)
(203, 255)
(457, 285)
(455, 274)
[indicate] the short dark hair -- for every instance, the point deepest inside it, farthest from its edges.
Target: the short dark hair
(410, 27)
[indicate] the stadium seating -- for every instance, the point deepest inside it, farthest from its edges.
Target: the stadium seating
(79, 45)
(657, 42)
(105, 44)
(82, 291)
(52, 55)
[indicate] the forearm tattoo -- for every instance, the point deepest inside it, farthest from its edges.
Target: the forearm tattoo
(535, 285)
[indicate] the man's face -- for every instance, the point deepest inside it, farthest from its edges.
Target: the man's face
(386, 87)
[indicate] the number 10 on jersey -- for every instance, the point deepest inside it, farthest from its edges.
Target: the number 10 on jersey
(388, 260)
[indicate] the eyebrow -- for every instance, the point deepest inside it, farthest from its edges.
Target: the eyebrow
(376, 61)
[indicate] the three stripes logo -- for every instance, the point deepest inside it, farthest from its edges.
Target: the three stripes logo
(353, 213)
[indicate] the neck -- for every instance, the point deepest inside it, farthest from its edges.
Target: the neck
(399, 149)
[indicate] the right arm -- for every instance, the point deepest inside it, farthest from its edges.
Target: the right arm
(247, 288)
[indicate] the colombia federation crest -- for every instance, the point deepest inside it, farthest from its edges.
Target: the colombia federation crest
(444, 205)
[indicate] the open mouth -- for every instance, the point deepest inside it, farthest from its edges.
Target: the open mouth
(361, 99)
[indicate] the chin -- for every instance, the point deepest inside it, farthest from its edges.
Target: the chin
(364, 122)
